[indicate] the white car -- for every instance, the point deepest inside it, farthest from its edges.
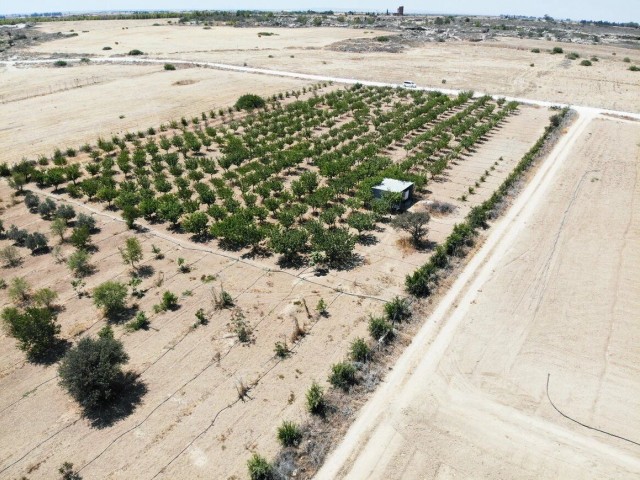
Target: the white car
(409, 84)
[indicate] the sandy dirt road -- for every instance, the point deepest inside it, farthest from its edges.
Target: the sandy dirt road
(553, 291)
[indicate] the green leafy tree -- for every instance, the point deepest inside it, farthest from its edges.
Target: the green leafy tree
(17, 181)
(59, 227)
(86, 221)
(196, 223)
(289, 243)
(46, 208)
(92, 371)
(36, 241)
(55, 176)
(111, 297)
(66, 212)
(35, 329)
(73, 172)
(380, 329)
(130, 214)
(170, 209)
(414, 223)
(80, 237)
(337, 245)
(78, 263)
(362, 222)
(44, 298)
(131, 252)
(238, 231)
(19, 290)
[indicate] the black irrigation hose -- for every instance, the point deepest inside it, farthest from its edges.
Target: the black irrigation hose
(230, 405)
(582, 424)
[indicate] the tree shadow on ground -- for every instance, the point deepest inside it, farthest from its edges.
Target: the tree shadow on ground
(129, 390)
(353, 261)
(57, 350)
(124, 315)
(424, 245)
(367, 239)
(257, 252)
(145, 271)
(295, 262)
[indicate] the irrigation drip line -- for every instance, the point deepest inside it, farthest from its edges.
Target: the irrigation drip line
(583, 424)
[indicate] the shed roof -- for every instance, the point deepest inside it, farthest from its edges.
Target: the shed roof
(393, 185)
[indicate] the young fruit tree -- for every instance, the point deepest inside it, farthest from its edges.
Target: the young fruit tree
(131, 252)
(414, 223)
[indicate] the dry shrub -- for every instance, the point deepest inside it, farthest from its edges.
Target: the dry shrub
(298, 331)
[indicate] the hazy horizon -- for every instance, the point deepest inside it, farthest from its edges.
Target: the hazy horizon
(614, 10)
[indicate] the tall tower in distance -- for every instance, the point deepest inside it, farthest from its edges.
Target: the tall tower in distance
(400, 11)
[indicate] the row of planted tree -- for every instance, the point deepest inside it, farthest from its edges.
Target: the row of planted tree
(296, 179)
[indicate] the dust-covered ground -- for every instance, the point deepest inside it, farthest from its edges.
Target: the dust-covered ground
(48, 107)
(556, 302)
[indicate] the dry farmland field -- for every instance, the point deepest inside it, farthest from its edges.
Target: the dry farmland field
(249, 259)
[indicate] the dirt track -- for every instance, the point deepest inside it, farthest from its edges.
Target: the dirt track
(556, 294)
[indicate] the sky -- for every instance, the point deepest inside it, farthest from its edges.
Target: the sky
(611, 10)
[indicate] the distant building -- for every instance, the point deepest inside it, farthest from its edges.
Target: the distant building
(400, 12)
(391, 185)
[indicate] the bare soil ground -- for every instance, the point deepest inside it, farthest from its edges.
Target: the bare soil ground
(192, 423)
(56, 108)
(557, 298)
(82, 101)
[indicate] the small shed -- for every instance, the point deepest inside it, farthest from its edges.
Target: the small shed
(391, 185)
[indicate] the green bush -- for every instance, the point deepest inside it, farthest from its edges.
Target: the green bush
(289, 434)
(316, 403)
(111, 297)
(535, 50)
(169, 301)
(397, 310)
(78, 263)
(586, 63)
(60, 63)
(91, 370)
(140, 322)
(106, 48)
(169, 66)
(573, 56)
(249, 102)
(19, 290)
(135, 51)
(380, 329)
(35, 329)
(359, 351)
(259, 468)
(626, 60)
(556, 50)
(343, 375)
(10, 256)
(67, 472)
(281, 349)
(634, 68)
